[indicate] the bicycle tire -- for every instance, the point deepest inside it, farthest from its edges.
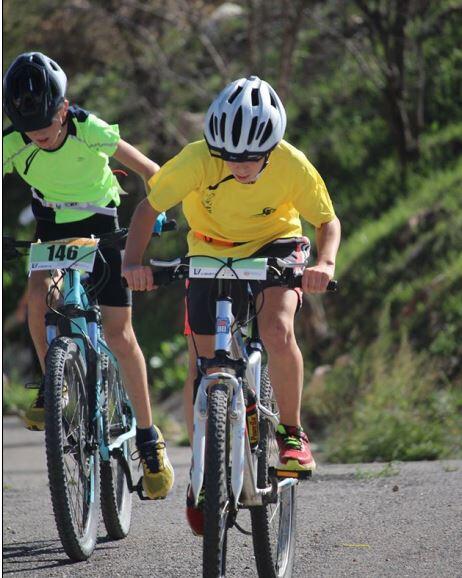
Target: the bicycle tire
(217, 500)
(116, 499)
(72, 458)
(273, 525)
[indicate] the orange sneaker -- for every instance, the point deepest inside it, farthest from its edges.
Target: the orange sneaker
(294, 449)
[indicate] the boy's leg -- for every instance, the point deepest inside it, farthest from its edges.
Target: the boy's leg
(119, 334)
(276, 326)
(205, 345)
(37, 289)
(158, 473)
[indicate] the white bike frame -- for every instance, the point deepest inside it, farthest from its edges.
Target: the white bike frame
(243, 461)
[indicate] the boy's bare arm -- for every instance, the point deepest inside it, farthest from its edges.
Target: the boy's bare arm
(316, 278)
(139, 277)
(136, 161)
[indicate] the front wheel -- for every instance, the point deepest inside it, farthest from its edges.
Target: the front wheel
(72, 454)
(116, 499)
(273, 525)
(217, 498)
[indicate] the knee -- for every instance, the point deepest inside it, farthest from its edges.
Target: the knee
(277, 335)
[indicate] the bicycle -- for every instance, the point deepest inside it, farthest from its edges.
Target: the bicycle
(235, 420)
(90, 426)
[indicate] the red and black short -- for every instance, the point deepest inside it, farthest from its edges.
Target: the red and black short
(201, 293)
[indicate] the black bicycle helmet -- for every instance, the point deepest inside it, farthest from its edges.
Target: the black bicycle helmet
(34, 88)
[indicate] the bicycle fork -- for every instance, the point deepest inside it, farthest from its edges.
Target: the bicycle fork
(237, 426)
(237, 415)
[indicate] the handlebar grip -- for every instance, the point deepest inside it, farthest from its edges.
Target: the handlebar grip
(165, 226)
(159, 277)
(332, 286)
(170, 225)
(162, 277)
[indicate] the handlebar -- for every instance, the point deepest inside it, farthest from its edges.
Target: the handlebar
(178, 269)
(115, 238)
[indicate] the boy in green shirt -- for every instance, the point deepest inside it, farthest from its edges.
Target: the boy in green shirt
(63, 153)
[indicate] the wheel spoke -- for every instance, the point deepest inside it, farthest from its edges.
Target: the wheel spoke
(273, 525)
(116, 500)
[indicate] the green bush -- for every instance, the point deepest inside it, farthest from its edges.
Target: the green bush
(170, 367)
(398, 413)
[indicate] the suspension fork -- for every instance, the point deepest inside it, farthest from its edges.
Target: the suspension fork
(223, 360)
(237, 432)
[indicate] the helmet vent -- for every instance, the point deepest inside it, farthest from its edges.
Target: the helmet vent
(222, 126)
(237, 126)
(260, 128)
(267, 133)
(255, 97)
(235, 94)
(253, 127)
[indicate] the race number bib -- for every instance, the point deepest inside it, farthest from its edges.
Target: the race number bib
(78, 253)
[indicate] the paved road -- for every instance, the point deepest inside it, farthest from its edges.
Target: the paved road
(353, 521)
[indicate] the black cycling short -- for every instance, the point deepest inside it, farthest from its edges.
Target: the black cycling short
(112, 293)
(201, 293)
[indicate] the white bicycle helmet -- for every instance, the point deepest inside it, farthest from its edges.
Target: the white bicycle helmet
(245, 122)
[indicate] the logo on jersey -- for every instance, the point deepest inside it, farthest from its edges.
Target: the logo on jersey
(266, 211)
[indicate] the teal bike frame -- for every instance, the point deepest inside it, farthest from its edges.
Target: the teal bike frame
(78, 319)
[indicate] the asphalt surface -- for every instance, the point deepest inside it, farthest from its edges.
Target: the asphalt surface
(367, 520)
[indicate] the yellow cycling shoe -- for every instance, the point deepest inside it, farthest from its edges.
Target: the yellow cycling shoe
(34, 418)
(158, 475)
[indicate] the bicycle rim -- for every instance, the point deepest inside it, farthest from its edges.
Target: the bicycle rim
(73, 466)
(116, 499)
(273, 525)
(217, 499)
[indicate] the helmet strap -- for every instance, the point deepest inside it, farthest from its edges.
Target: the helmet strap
(265, 164)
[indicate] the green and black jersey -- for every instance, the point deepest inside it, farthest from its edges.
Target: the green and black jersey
(78, 171)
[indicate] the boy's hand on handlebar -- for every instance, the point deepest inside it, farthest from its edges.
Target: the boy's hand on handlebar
(316, 279)
(139, 277)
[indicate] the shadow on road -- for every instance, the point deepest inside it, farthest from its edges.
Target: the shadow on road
(27, 552)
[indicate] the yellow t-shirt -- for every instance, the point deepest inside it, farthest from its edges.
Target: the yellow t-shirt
(252, 214)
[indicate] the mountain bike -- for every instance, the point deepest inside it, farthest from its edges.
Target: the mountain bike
(90, 425)
(235, 453)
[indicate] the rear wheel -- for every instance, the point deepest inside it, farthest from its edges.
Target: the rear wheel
(72, 454)
(217, 499)
(273, 525)
(116, 499)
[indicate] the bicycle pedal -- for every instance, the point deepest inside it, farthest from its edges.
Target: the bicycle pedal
(33, 428)
(32, 385)
(139, 490)
(297, 474)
